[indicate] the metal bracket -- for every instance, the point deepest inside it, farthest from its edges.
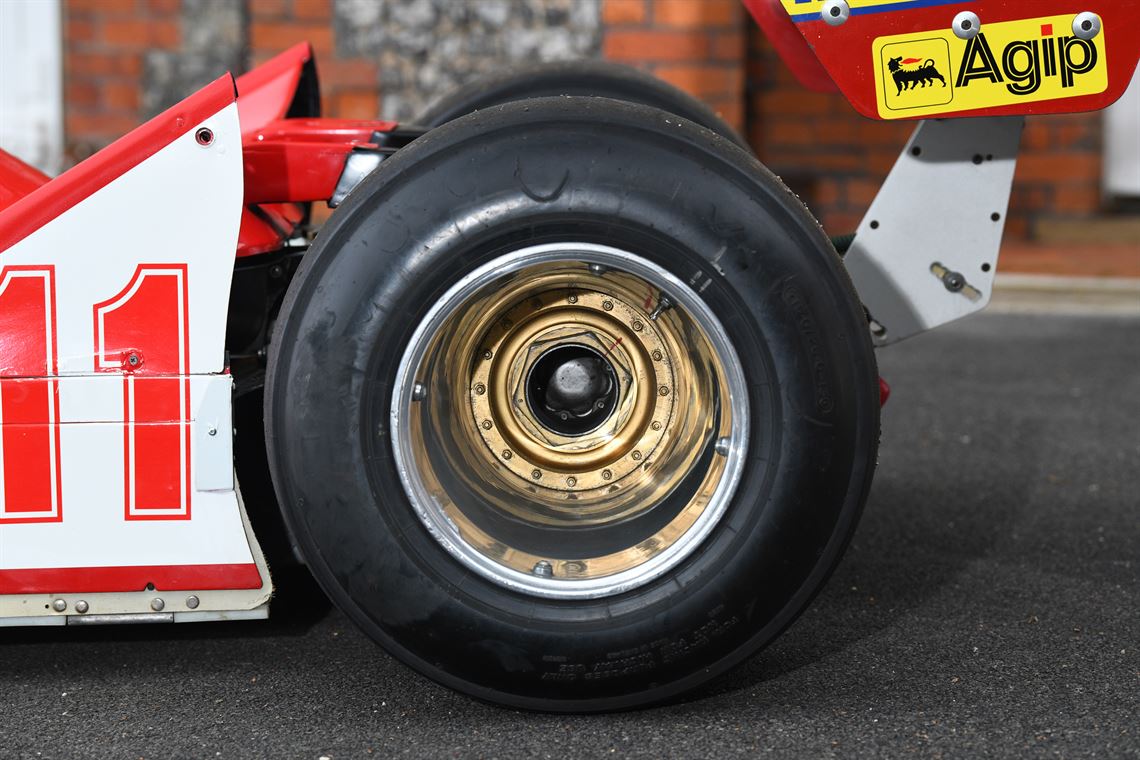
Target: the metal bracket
(926, 252)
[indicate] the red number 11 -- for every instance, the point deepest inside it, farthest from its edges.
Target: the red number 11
(30, 489)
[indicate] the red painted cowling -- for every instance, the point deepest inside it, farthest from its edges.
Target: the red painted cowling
(1017, 57)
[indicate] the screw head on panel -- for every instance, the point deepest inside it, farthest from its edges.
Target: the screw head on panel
(967, 25)
(836, 12)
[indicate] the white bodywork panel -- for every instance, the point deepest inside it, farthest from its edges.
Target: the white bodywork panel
(174, 219)
(941, 213)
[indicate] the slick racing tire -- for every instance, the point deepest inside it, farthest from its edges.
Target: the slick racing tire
(580, 78)
(572, 406)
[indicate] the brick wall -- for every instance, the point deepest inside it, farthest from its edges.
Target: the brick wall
(699, 46)
(128, 59)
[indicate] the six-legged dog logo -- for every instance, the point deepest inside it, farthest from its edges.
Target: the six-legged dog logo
(909, 79)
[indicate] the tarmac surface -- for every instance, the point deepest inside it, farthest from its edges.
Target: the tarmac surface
(989, 606)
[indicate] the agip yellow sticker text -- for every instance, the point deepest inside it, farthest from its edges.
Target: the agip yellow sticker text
(1030, 60)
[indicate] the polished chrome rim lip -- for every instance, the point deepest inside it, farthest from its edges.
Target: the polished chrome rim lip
(435, 519)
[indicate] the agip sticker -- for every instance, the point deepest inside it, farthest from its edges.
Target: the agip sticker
(930, 73)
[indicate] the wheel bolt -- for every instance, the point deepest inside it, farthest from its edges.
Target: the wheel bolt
(656, 425)
(664, 390)
(636, 456)
(606, 474)
(487, 425)
(571, 481)
(656, 356)
(507, 454)
(536, 474)
(572, 298)
(543, 569)
(608, 305)
(637, 326)
(480, 389)
(487, 353)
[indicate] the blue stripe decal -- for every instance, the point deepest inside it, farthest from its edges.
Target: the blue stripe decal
(899, 6)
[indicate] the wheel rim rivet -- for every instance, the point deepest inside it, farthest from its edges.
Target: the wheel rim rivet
(636, 456)
(571, 481)
(572, 298)
(480, 389)
(543, 569)
(608, 305)
(536, 474)
(598, 269)
(656, 356)
(656, 425)
(722, 445)
(419, 392)
(637, 326)
(487, 424)
(664, 390)
(487, 353)
(507, 454)
(606, 474)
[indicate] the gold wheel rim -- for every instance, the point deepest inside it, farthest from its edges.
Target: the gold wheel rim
(527, 504)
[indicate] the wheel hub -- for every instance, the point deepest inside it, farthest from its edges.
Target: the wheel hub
(571, 389)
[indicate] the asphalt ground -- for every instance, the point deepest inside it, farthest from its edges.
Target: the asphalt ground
(989, 606)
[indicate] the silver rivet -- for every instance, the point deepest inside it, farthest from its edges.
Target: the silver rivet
(571, 481)
(722, 446)
(419, 392)
(836, 12)
(598, 269)
(157, 604)
(543, 569)
(59, 605)
(212, 430)
(192, 602)
(1086, 25)
(81, 607)
(967, 25)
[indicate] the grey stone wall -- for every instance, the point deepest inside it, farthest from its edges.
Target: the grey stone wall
(214, 41)
(425, 48)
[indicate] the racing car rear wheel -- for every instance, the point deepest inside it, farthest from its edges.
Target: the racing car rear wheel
(572, 407)
(600, 79)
